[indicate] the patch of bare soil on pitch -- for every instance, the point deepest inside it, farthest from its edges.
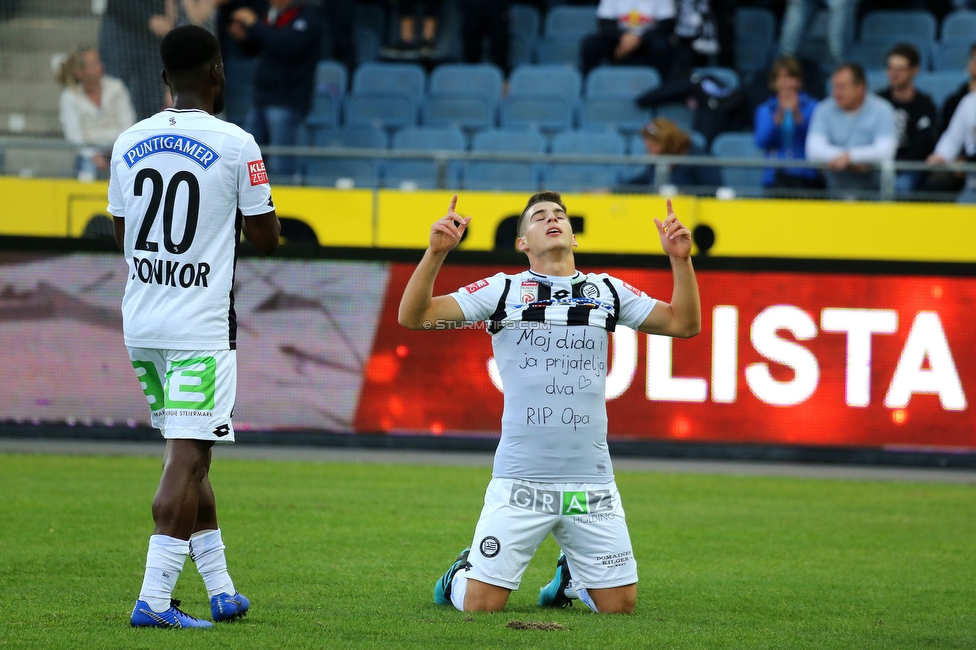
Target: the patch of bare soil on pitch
(535, 625)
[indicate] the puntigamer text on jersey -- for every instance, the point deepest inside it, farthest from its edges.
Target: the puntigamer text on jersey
(195, 150)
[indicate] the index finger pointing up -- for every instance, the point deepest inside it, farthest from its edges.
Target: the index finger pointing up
(451, 207)
(670, 211)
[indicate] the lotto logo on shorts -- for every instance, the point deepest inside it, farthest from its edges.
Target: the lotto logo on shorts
(258, 174)
(556, 502)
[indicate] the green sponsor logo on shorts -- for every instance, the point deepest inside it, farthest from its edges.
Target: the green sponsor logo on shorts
(149, 381)
(574, 503)
(190, 384)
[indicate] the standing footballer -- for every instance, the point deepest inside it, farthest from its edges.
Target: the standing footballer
(552, 463)
(183, 187)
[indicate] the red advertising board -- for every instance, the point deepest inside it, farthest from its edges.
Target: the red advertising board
(790, 358)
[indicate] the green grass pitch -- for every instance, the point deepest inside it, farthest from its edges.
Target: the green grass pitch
(345, 555)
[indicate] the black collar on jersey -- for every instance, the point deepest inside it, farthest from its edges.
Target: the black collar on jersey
(574, 279)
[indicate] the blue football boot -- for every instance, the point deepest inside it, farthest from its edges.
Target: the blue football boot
(442, 588)
(144, 616)
(225, 607)
(554, 593)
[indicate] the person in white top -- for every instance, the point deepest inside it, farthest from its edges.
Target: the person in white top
(184, 186)
(550, 330)
(958, 143)
(94, 109)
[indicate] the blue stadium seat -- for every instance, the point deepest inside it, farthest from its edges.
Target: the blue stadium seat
(390, 110)
(584, 176)
(755, 34)
(524, 22)
(873, 53)
(558, 50)
(331, 81)
(504, 175)
(952, 56)
(424, 173)
(469, 112)
(626, 82)
(570, 21)
(616, 113)
(364, 172)
(893, 25)
(545, 112)
(747, 181)
(677, 112)
(959, 26)
(367, 44)
(467, 79)
(728, 76)
(938, 85)
(380, 77)
(559, 80)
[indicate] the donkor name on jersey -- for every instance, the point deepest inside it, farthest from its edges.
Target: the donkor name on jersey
(171, 273)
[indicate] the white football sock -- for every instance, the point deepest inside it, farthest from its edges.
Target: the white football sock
(164, 562)
(207, 552)
(584, 596)
(459, 587)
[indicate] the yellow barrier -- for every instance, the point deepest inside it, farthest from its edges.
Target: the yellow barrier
(612, 223)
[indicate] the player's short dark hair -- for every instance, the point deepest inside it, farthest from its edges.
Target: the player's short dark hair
(541, 197)
(857, 72)
(908, 52)
(187, 48)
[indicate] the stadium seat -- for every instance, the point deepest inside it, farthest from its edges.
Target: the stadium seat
(468, 112)
(626, 82)
(728, 76)
(873, 53)
(380, 77)
(574, 177)
(570, 21)
(367, 44)
(559, 80)
(331, 81)
(424, 173)
(364, 172)
(892, 25)
(677, 112)
(545, 112)
(504, 175)
(616, 113)
(558, 50)
(467, 79)
(755, 34)
(952, 56)
(524, 22)
(746, 181)
(959, 26)
(390, 110)
(938, 85)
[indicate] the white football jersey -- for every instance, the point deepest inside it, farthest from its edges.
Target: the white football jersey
(550, 336)
(183, 180)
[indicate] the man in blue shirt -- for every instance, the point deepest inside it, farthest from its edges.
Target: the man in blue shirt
(851, 132)
(781, 126)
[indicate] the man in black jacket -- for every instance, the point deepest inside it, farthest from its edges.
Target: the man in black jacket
(287, 44)
(915, 116)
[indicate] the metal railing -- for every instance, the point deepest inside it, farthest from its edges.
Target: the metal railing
(662, 164)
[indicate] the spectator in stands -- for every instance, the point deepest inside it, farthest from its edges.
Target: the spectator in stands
(128, 43)
(851, 132)
(959, 143)
(489, 19)
(201, 13)
(287, 42)
(94, 110)
(230, 47)
(340, 18)
(915, 117)
(408, 46)
(840, 26)
(662, 137)
(630, 32)
(781, 126)
(952, 101)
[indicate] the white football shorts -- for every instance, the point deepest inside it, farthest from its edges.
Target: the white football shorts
(587, 520)
(191, 393)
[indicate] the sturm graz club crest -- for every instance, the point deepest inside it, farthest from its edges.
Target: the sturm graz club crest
(589, 290)
(490, 546)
